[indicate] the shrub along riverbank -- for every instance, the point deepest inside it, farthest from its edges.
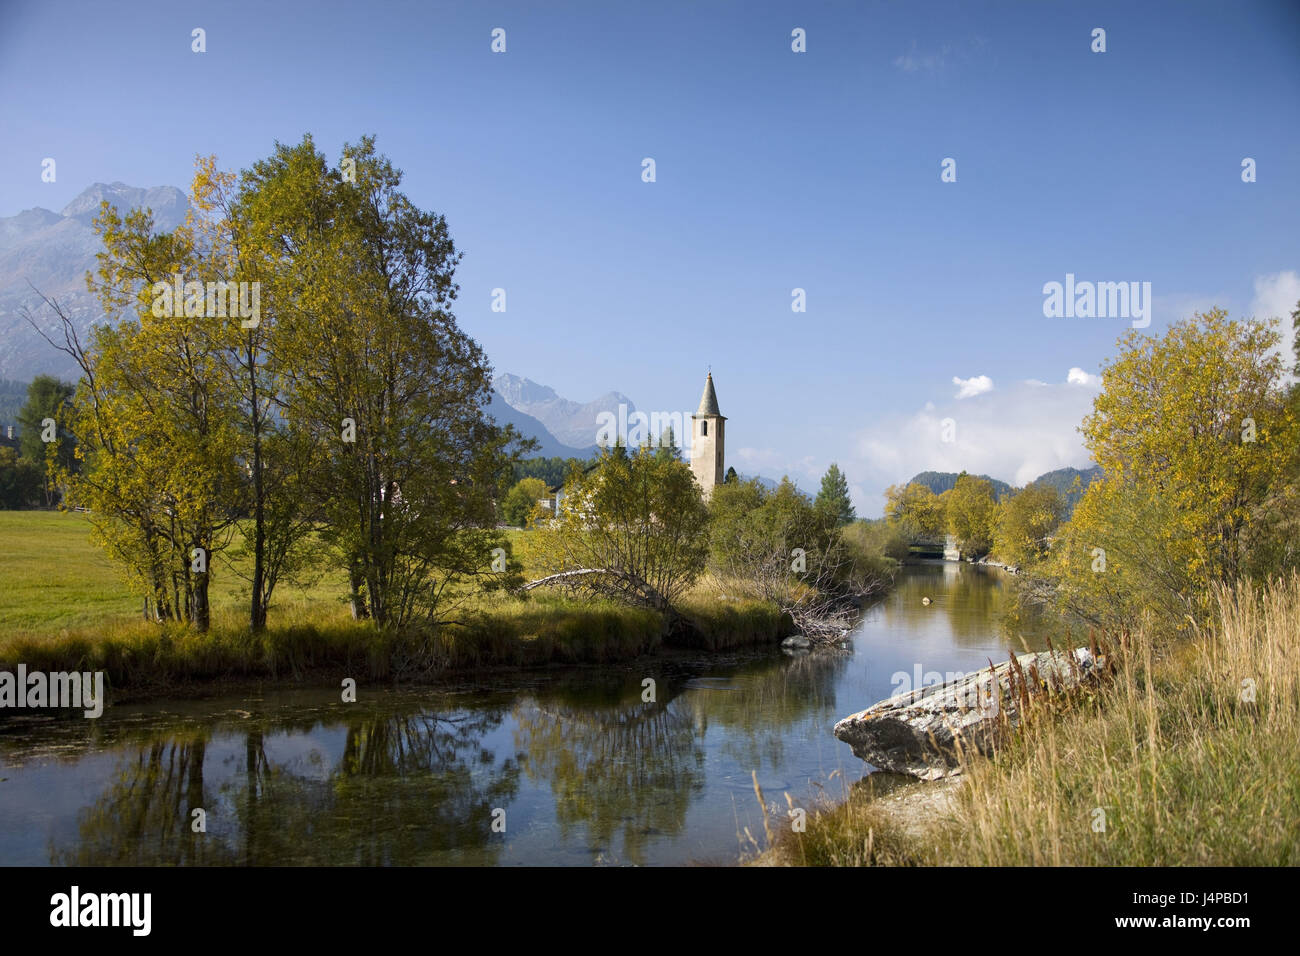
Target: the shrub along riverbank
(151, 658)
(63, 607)
(1187, 758)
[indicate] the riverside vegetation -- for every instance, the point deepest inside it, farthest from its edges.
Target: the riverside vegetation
(1185, 559)
(64, 605)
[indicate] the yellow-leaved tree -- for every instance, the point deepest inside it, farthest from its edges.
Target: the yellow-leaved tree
(1194, 437)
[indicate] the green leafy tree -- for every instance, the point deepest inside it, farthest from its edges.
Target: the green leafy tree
(21, 481)
(731, 509)
(234, 228)
(667, 448)
(635, 528)
(780, 547)
(48, 399)
(380, 379)
(521, 500)
(551, 470)
(833, 498)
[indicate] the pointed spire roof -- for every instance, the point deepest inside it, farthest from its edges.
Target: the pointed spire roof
(709, 400)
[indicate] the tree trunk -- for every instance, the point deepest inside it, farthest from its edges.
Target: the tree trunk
(200, 613)
(359, 609)
(257, 608)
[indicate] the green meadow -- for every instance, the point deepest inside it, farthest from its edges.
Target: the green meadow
(63, 605)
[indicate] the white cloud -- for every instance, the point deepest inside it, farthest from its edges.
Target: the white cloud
(970, 387)
(1276, 296)
(1035, 382)
(1078, 376)
(1015, 434)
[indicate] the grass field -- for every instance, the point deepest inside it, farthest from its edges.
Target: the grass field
(64, 605)
(53, 578)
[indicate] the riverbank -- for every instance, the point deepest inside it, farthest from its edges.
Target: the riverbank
(64, 607)
(141, 659)
(1186, 758)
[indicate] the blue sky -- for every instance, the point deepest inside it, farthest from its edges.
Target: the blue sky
(775, 170)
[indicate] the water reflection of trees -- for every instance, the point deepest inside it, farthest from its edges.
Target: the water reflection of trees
(764, 701)
(407, 789)
(622, 769)
(971, 600)
(145, 814)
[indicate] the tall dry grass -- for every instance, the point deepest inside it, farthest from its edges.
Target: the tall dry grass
(1189, 756)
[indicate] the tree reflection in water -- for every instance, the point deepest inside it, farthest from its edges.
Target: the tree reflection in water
(408, 789)
(622, 769)
(762, 703)
(145, 815)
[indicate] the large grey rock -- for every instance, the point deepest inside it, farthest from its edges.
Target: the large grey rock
(925, 732)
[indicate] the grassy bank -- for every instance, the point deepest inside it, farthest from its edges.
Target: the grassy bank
(1189, 764)
(63, 606)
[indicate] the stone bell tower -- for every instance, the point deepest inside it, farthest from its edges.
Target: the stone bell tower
(708, 430)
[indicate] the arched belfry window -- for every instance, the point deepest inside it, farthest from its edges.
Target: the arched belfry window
(704, 427)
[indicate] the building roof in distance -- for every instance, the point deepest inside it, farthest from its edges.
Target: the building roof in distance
(709, 400)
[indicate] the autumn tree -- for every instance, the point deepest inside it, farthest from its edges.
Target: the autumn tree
(1024, 522)
(970, 507)
(1195, 439)
(915, 512)
(154, 416)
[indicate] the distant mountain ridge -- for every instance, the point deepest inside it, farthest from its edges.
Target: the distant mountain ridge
(548, 446)
(573, 423)
(1062, 479)
(941, 481)
(52, 252)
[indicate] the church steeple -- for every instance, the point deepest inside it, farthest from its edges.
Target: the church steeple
(707, 434)
(709, 400)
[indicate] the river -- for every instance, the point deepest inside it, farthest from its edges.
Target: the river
(568, 767)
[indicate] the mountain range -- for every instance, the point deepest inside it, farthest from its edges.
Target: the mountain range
(1062, 479)
(52, 252)
(573, 423)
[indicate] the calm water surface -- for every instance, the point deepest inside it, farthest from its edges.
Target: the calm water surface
(585, 771)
